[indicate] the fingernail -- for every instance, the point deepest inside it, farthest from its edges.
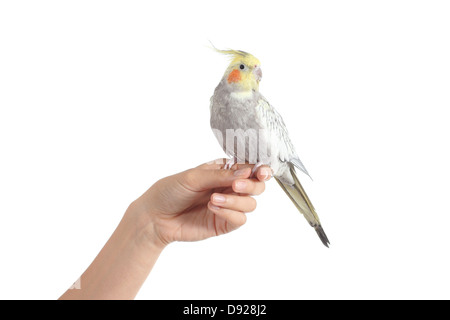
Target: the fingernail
(240, 172)
(240, 185)
(266, 173)
(213, 207)
(218, 198)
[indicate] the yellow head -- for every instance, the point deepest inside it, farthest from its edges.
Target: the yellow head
(244, 72)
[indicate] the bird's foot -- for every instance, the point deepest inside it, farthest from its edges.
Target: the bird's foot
(229, 164)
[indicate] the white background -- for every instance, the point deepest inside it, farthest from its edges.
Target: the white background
(99, 99)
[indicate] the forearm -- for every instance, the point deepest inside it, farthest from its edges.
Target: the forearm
(122, 266)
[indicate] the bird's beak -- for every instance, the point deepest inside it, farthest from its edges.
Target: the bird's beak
(258, 73)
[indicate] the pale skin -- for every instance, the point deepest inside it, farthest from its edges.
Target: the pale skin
(193, 205)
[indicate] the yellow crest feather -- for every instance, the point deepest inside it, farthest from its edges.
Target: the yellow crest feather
(238, 56)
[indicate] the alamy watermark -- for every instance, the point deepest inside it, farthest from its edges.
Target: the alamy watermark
(76, 284)
(251, 145)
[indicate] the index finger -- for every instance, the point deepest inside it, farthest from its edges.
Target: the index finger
(263, 173)
(220, 163)
(200, 179)
(248, 186)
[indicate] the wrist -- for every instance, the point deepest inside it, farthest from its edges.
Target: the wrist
(145, 228)
(123, 264)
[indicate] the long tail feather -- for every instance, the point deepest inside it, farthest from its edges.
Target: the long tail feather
(299, 197)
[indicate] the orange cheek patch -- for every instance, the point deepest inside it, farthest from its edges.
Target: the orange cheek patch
(235, 76)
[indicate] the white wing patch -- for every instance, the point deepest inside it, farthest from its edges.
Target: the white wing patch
(272, 121)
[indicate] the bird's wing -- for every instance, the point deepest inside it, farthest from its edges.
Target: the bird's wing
(274, 124)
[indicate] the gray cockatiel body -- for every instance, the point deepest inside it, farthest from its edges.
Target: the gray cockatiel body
(251, 130)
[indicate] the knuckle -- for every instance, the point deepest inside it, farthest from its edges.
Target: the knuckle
(190, 177)
(223, 173)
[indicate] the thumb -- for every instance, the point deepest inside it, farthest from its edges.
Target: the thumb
(201, 179)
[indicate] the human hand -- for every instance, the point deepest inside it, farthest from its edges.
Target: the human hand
(182, 207)
(199, 203)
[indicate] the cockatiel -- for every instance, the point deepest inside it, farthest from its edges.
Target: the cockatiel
(250, 130)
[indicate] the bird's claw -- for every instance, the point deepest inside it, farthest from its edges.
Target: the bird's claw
(229, 164)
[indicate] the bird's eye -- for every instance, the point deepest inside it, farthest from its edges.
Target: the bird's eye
(241, 67)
